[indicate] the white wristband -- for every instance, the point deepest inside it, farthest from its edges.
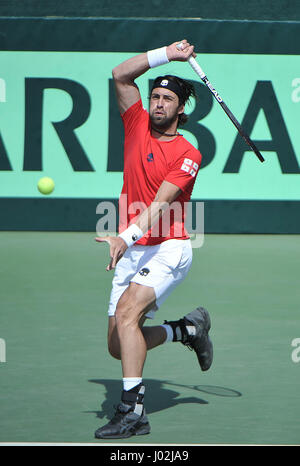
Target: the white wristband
(157, 57)
(131, 235)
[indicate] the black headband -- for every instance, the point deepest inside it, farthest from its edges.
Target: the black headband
(168, 84)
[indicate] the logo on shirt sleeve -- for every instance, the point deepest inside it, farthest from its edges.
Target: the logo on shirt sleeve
(190, 167)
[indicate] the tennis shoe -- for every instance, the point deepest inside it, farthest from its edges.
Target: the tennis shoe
(200, 342)
(129, 419)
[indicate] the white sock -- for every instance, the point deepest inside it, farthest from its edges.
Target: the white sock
(169, 331)
(130, 382)
(191, 330)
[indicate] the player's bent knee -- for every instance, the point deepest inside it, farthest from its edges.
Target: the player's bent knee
(124, 315)
(133, 305)
(127, 315)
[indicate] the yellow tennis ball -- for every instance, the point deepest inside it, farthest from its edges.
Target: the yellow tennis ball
(46, 185)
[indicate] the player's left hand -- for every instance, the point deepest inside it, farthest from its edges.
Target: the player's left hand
(180, 54)
(117, 247)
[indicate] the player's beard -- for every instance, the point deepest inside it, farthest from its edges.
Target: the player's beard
(162, 122)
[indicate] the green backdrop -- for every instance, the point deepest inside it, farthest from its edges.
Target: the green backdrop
(59, 118)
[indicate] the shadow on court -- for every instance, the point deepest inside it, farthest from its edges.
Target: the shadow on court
(161, 395)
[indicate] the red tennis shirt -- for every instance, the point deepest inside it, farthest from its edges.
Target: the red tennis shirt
(147, 163)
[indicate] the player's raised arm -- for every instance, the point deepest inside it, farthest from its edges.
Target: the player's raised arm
(125, 74)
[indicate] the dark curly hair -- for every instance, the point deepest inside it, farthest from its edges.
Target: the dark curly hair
(187, 90)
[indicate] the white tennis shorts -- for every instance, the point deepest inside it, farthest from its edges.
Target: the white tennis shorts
(162, 267)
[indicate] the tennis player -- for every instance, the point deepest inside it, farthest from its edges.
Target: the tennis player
(152, 253)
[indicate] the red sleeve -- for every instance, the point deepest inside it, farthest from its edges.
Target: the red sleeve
(134, 116)
(184, 171)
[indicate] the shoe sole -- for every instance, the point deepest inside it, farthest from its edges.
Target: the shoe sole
(204, 366)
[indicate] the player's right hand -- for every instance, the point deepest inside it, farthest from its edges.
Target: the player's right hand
(183, 54)
(117, 247)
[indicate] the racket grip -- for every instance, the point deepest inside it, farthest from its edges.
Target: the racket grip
(196, 67)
